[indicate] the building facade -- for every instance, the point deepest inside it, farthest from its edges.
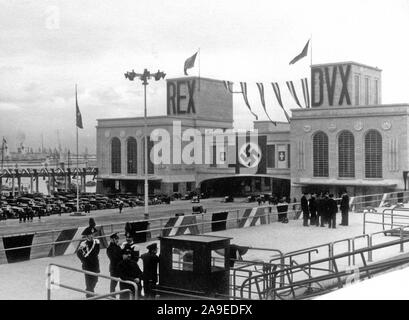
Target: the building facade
(347, 140)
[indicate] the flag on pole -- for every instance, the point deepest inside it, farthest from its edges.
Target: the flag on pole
(78, 113)
(190, 63)
(291, 88)
(244, 92)
(303, 53)
(276, 89)
(304, 83)
(260, 87)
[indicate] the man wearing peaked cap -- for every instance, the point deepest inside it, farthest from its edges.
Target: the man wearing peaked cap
(114, 253)
(130, 244)
(150, 270)
(129, 270)
(87, 252)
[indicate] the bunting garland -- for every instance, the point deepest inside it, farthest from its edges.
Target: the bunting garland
(306, 93)
(228, 86)
(291, 88)
(243, 86)
(276, 89)
(263, 102)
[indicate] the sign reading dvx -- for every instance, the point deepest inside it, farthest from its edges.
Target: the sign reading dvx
(177, 100)
(336, 83)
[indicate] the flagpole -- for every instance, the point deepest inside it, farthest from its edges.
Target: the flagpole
(311, 73)
(199, 67)
(76, 126)
(2, 153)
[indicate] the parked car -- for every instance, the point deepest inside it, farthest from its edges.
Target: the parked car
(195, 199)
(228, 198)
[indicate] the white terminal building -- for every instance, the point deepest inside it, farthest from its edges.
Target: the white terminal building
(347, 140)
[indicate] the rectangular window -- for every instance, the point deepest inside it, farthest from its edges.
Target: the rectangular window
(289, 155)
(376, 93)
(367, 91)
(182, 259)
(271, 150)
(188, 186)
(213, 164)
(357, 91)
(176, 187)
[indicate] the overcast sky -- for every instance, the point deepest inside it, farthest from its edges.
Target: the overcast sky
(48, 46)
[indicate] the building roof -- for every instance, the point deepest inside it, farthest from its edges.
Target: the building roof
(346, 62)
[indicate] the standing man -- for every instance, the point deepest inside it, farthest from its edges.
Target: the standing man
(114, 253)
(130, 244)
(88, 254)
(121, 206)
(320, 210)
(129, 270)
(305, 209)
(344, 208)
(150, 270)
(312, 206)
(332, 211)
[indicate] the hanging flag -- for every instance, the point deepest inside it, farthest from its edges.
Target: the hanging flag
(5, 148)
(190, 63)
(305, 91)
(263, 102)
(290, 86)
(229, 86)
(302, 54)
(78, 113)
(276, 89)
(244, 92)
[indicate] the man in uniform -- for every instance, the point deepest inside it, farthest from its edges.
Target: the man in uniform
(321, 203)
(344, 209)
(88, 254)
(312, 206)
(129, 270)
(114, 253)
(305, 209)
(150, 270)
(130, 244)
(332, 211)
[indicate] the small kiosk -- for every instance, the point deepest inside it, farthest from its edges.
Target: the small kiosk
(195, 264)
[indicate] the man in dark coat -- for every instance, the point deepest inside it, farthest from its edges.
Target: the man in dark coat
(282, 209)
(150, 270)
(305, 209)
(114, 253)
(344, 209)
(332, 211)
(130, 244)
(88, 254)
(321, 208)
(129, 270)
(312, 206)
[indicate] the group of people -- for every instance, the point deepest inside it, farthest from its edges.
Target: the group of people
(123, 264)
(27, 214)
(321, 208)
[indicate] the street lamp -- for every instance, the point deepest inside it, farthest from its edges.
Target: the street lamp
(144, 77)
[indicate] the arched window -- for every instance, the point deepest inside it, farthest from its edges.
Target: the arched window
(373, 154)
(132, 155)
(346, 155)
(320, 154)
(116, 155)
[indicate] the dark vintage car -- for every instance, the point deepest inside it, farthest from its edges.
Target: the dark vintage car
(228, 199)
(195, 199)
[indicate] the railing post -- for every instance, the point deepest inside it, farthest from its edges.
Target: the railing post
(203, 223)
(331, 255)
(370, 247)
(49, 282)
(349, 251)
(238, 221)
(282, 261)
(401, 240)
(353, 251)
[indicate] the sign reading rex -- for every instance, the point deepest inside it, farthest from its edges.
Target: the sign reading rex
(336, 79)
(180, 97)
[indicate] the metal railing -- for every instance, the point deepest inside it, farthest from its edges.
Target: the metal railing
(51, 282)
(292, 286)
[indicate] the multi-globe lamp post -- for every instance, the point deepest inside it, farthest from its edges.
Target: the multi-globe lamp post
(144, 77)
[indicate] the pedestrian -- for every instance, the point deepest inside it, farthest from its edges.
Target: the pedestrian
(312, 206)
(114, 253)
(305, 209)
(88, 254)
(150, 270)
(31, 214)
(332, 211)
(320, 202)
(120, 206)
(128, 270)
(282, 209)
(130, 244)
(344, 207)
(21, 216)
